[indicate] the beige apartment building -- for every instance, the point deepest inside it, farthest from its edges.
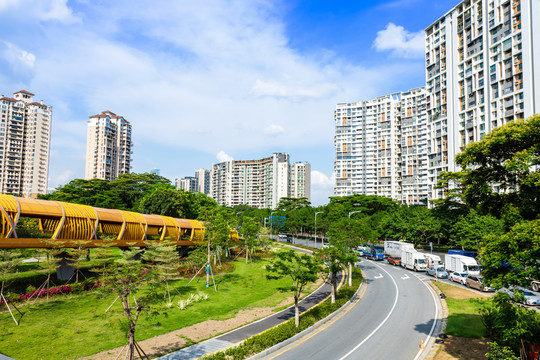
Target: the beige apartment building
(259, 183)
(25, 132)
(381, 147)
(108, 146)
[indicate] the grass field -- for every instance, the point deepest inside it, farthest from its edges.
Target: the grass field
(463, 317)
(76, 326)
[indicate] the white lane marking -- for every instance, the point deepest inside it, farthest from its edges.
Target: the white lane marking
(405, 277)
(434, 320)
(382, 323)
(378, 277)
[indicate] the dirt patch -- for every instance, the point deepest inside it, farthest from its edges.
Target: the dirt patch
(458, 348)
(187, 336)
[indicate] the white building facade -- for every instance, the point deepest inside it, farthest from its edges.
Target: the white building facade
(258, 183)
(300, 180)
(482, 71)
(189, 183)
(203, 181)
(25, 132)
(381, 147)
(108, 146)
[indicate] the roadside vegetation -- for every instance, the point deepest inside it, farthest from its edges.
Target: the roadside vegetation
(76, 326)
(490, 206)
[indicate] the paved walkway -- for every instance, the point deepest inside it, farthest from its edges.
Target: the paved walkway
(233, 337)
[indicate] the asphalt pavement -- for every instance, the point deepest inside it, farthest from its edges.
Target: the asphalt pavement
(396, 313)
(233, 337)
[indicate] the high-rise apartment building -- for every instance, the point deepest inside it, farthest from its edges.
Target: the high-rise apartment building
(300, 180)
(258, 183)
(380, 147)
(203, 181)
(25, 132)
(189, 183)
(482, 71)
(108, 146)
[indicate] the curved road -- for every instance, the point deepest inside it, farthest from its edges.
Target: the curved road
(396, 311)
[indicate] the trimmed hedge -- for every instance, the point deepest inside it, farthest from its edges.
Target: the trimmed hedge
(273, 336)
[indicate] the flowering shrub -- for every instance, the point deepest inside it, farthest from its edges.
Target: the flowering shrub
(59, 290)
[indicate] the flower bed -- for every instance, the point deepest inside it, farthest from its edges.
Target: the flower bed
(54, 291)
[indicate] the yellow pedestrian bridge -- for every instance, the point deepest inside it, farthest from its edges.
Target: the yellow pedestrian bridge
(43, 223)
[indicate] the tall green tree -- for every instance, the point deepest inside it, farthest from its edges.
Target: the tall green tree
(302, 269)
(470, 230)
(162, 201)
(335, 257)
(512, 258)
(500, 173)
(249, 229)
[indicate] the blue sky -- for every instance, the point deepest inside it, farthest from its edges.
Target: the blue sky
(204, 81)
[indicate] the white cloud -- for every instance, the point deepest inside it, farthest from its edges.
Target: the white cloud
(322, 187)
(57, 10)
(292, 91)
(207, 84)
(17, 56)
(322, 181)
(4, 4)
(222, 156)
(400, 41)
(274, 130)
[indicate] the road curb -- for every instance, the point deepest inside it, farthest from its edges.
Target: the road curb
(351, 302)
(435, 344)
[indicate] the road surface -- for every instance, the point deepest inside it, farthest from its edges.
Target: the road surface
(396, 311)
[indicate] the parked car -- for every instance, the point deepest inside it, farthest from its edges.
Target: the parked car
(394, 260)
(441, 273)
(458, 277)
(477, 282)
(530, 298)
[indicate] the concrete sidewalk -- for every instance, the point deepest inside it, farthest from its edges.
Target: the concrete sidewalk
(235, 336)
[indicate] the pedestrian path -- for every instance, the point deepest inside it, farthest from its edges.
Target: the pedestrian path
(235, 336)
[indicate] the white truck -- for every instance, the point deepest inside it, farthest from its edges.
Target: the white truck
(461, 264)
(395, 248)
(433, 260)
(414, 260)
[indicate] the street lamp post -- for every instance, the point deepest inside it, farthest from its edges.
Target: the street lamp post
(322, 240)
(352, 212)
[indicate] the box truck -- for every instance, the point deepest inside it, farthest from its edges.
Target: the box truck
(394, 248)
(461, 264)
(433, 260)
(413, 260)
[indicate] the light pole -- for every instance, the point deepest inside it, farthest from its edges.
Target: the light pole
(352, 212)
(322, 240)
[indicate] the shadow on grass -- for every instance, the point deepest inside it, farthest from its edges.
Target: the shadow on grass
(466, 325)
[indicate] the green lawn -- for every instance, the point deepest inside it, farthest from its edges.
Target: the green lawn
(463, 317)
(72, 327)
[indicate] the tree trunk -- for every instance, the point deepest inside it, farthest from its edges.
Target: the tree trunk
(296, 312)
(131, 341)
(246, 254)
(333, 286)
(350, 274)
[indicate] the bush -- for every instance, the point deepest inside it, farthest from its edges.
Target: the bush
(498, 352)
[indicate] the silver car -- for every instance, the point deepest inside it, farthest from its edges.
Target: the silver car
(441, 273)
(530, 298)
(458, 277)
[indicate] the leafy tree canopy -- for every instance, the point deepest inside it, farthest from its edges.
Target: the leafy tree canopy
(500, 173)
